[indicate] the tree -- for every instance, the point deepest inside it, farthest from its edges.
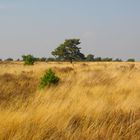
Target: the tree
(98, 59)
(43, 59)
(69, 50)
(90, 57)
(9, 59)
(107, 59)
(28, 59)
(118, 60)
(51, 59)
(18, 59)
(131, 60)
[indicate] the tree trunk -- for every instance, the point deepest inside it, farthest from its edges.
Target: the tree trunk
(71, 61)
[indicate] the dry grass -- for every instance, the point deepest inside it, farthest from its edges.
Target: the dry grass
(93, 101)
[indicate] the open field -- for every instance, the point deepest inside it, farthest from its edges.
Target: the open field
(93, 101)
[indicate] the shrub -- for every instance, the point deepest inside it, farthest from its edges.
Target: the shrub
(43, 59)
(132, 66)
(65, 70)
(9, 59)
(48, 79)
(28, 59)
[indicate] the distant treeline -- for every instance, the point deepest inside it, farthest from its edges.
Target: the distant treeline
(68, 51)
(88, 58)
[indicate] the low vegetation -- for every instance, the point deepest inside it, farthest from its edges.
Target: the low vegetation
(48, 79)
(29, 59)
(93, 101)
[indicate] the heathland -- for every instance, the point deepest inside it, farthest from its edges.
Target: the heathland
(92, 101)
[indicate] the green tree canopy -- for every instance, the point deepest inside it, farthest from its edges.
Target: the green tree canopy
(90, 57)
(28, 59)
(131, 60)
(69, 50)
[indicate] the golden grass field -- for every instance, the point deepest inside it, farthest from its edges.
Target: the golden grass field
(93, 101)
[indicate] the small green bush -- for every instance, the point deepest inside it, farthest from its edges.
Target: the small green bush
(48, 79)
(28, 59)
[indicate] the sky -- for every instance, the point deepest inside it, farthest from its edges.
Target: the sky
(106, 28)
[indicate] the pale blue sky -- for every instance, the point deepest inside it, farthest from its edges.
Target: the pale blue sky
(106, 27)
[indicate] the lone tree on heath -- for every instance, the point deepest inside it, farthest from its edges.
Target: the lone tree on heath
(69, 50)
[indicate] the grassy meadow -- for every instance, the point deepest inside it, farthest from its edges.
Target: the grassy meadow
(93, 101)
